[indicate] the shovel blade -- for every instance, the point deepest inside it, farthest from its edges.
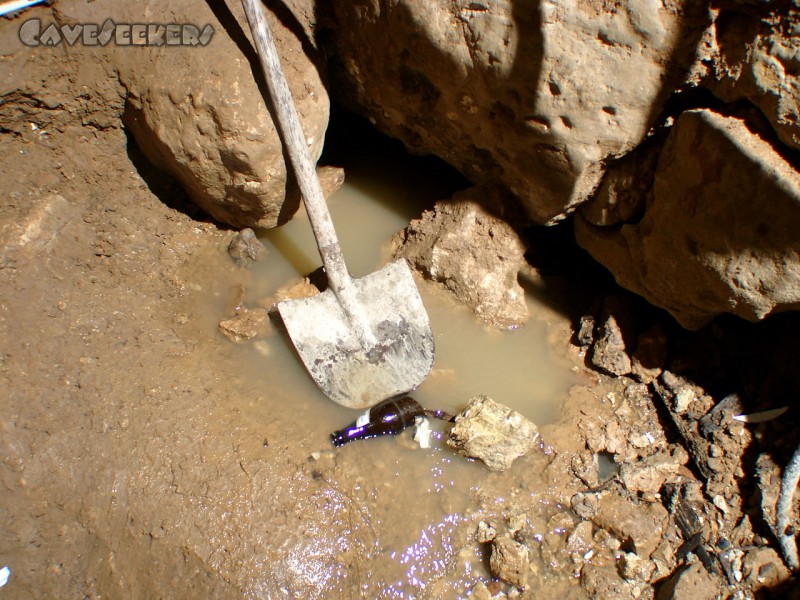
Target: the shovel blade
(336, 357)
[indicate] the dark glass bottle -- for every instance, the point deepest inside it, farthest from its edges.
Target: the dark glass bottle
(390, 417)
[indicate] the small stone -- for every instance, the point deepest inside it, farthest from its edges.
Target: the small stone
(634, 567)
(683, 400)
(609, 352)
(639, 523)
(492, 433)
(485, 533)
(585, 504)
(516, 523)
(585, 333)
(330, 179)
(296, 291)
(480, 591)
(509, 561)
(246, 247)
(649, 474)
(720, 503)
(580, 542)
(246, 325)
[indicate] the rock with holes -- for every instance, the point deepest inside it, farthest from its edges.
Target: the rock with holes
(719, 234)
(758, 59)
(536, 95)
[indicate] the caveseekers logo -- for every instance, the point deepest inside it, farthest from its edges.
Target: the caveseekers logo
(34, 33)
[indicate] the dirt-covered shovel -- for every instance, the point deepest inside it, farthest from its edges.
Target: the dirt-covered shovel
(362, 340)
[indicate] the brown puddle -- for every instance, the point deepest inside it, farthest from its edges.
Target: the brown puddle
(420, 503)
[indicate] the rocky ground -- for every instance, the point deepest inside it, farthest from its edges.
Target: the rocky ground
(135, 465)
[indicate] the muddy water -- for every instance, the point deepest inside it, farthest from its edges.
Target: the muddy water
(516, 367)
(417, 499)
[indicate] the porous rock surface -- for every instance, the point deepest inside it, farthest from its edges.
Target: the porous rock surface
(199, 112)
(534, 95)
(474, 254)
(719, 234)
(757, 57)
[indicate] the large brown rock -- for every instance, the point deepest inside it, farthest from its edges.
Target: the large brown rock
(199, 112)
(534, 95)
(719, 234)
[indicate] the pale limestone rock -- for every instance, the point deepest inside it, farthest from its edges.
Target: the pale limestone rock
(492, 433)
(475, 255)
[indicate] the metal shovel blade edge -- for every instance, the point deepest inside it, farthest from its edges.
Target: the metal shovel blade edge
(346, 371)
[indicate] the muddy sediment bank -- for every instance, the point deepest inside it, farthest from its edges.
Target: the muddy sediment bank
(145, 455)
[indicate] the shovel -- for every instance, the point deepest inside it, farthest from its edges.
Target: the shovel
(362, 340)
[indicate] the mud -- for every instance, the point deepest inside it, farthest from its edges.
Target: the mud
(143, 456)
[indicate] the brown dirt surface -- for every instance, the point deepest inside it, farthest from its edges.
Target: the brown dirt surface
(140, 460)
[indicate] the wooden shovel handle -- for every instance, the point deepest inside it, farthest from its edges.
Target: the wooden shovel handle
(297, 148)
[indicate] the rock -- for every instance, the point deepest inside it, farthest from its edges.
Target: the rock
(763, 569)
(585, 333)
(640, 524)
(692, 582)
(485, 533)
(757, 59)
(649, 474)
(492, 433)
(482, 591)
(634, 567)
(246, 247)
(509, 561)
(295, 291)
(554, 541)
(621, 195)
(719, 232)
(330, 179)
(472, 253)
(580, 543)
(610, 349)
(585, 504)
(605, 582)
(199, 113)
(509, 91)
(246, 325)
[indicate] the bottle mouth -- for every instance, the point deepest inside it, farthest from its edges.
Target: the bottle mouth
(341, 437)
